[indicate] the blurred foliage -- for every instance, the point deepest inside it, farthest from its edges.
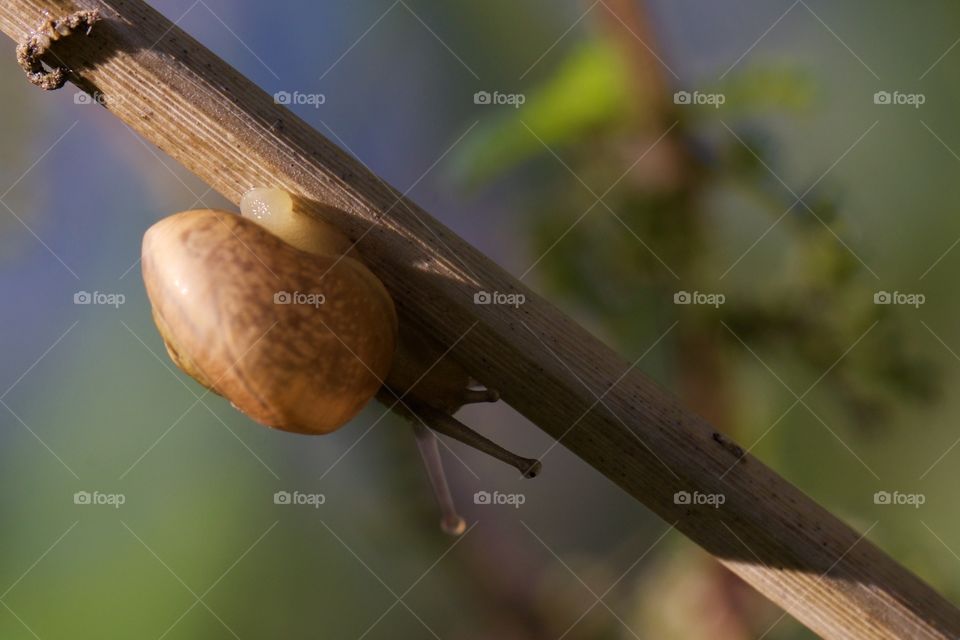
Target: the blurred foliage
(654, 233)
(585, 96)
(671, 223)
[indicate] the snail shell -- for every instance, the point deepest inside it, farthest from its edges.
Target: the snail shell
(307, 361)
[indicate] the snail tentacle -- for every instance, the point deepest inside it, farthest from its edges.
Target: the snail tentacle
(449, 426)
(450, 521)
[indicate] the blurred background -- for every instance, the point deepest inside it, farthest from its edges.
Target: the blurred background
(757, 198)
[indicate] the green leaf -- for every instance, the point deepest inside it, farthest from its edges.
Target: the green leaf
(587, 92)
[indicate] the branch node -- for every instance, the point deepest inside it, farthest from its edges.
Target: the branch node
(30, 51)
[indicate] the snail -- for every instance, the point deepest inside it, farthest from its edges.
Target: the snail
(274, 310)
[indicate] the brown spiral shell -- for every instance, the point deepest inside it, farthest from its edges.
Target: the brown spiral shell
(307, 361)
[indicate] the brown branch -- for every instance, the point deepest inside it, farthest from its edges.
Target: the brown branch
(191, 104)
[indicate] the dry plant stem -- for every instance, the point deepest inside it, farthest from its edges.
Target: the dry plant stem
(202, 112)
(450, 520)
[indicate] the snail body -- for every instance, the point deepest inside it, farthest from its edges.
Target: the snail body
(275, 311)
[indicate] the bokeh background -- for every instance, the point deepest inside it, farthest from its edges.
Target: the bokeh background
(798, 199)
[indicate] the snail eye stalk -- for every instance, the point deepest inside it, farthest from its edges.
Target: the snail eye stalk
(449, 426)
